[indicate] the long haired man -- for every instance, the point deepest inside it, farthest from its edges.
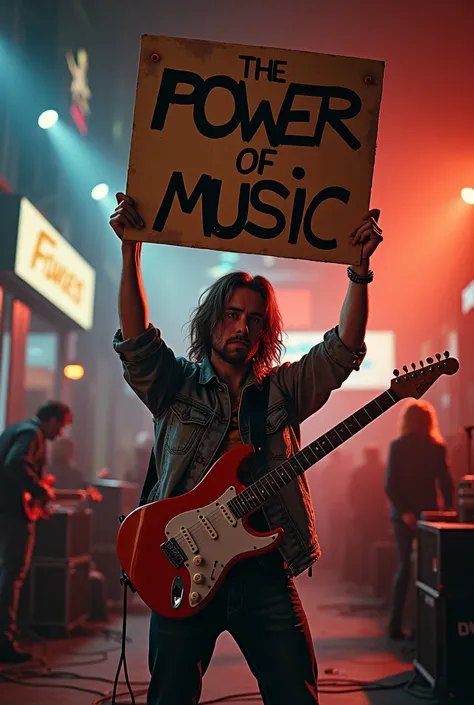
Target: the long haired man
(417, 469)
(232, 390)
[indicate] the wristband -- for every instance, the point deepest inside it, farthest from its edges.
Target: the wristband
(360, 278)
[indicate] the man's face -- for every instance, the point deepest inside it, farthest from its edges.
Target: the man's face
(237, 336)
(55, 427)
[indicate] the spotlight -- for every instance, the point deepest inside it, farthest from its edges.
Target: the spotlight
(47, 119)
(467, 194)
(74, 371)
(99, 192)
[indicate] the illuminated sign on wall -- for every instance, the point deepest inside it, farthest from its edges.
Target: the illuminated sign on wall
(80, 90)
(377, 369)
(468, 298)
(49, 264)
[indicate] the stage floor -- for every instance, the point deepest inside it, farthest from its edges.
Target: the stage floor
(348, 632)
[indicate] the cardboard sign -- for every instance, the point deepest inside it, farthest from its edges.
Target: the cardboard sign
(253, 149)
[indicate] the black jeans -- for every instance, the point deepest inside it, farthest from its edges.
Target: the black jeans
(404, 542)
(260, 607)
(17, 537)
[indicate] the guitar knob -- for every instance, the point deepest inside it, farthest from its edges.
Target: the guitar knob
(197, 560)
(438, 356)
(429, 360)
(194, 597)
(405, 369)
(197, 577)
(446, 354)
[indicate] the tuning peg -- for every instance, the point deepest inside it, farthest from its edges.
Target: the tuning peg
(429, 360)
(422, 364)
(396, 372)
(446, 354)
(438, 357)
(413, 366)
(405, 369)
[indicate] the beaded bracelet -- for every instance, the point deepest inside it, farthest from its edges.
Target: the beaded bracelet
(360, 278)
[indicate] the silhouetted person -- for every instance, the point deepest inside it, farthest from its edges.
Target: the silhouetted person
(62, 466)
(22, 460)
(367, 514)
(328, 488)
(417, 467)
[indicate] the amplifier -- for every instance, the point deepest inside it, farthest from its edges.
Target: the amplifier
(119, 497)
(445, 641)
(65, 535)
(446, 557)
(448, 516)
(106, 562)
(56, 595)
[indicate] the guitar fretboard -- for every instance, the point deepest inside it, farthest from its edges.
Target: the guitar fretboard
(273, 481)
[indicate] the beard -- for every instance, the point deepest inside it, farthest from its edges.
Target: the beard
(233, 355)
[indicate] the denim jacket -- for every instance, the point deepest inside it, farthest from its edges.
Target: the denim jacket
(191, 410)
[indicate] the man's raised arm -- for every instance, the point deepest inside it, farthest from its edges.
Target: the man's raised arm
(133, 305)
(355, 309)
(310, 381)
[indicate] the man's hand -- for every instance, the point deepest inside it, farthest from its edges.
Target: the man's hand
(50, 495)
(125, 215)
(368, 233)
(409, 519)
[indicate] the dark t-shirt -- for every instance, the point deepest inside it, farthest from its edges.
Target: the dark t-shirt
(416, 465)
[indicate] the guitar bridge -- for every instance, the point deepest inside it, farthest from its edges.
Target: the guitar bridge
(174, 553)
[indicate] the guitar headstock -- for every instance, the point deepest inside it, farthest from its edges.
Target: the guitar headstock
(416, 381)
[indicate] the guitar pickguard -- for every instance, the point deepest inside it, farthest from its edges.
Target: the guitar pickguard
(211, 537)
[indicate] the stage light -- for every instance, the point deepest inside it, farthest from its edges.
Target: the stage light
(99, 192)
(47, 119)
(74, 371)
(467, 194)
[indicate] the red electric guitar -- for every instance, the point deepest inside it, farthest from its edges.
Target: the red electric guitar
(40, 509)
(176, 551)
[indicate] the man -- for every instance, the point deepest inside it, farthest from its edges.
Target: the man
(22, 459)
(203, 408)
(417, 469)
(67, 475)
(367, 515)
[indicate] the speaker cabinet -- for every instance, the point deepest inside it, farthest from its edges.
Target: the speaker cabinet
(445, 641)
(56, 595)
(106, 562)
(65, 535)
(118, 498)
(446, 557)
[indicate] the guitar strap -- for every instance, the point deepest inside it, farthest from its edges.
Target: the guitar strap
(258, 433)
(258, 411)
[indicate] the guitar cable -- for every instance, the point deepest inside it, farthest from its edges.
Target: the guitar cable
(328, 686)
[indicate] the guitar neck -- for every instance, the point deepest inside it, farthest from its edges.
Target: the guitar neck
(273, 481)
(70, 495)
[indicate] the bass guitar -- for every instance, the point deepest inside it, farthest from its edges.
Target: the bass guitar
(177, 551)
(40, 508)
